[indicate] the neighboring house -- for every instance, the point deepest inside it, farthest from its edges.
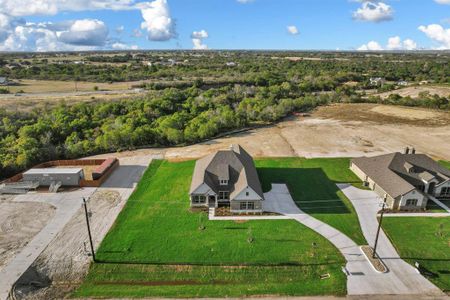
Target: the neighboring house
(407, 180)
(377, 81)
(227, 178)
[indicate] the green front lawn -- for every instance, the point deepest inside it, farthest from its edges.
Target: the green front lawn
(445, 163)
(312, 183)
(425, 240)
(157, 229)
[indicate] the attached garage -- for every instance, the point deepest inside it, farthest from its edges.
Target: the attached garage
(47, 176)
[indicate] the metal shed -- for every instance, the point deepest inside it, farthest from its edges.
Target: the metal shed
(47, 176)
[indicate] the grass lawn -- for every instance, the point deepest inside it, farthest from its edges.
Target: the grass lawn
(445, 163)
(312, 183)
(155, 248)
(425, 240)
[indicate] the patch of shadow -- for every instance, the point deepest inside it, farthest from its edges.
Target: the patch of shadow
(30, 282)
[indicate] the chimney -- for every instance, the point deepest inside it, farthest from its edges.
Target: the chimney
(406, 151)
(413, 151)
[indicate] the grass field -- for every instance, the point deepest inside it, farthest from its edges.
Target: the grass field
(312, 183)
(155, 248)
(425, 240)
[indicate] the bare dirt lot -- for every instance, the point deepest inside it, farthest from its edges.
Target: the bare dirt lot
(19, 223)
(338, 130)
(414, 91)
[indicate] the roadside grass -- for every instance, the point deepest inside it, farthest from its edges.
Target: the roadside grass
(312, 183)
(157, 229)
(424, 240)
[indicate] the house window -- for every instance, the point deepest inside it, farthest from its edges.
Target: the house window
(411, 202)
(223, 182)
(198, 199)
(223, 195)
(247, 205)
(445, 191)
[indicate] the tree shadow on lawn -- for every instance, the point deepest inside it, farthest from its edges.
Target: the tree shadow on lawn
(312, 190)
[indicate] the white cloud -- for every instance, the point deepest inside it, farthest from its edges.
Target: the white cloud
(157, 20)
(371, 46)
(394, 43)
(442, 1)
(85, 32)
(202, 34)
(373, 11)
(52, 7)
(293, 29)
(438, 34)
(120, 29)
(122, 46)
(17, 35)
(197, 39)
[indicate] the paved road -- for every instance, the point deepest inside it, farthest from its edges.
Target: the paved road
(67, 204)
(362, 278)
(406, 278)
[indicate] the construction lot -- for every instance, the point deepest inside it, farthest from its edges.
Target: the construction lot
(53, 248)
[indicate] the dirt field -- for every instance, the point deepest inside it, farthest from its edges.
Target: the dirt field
(19, 223)
(414, 91)
(47, 86)
(339, 130)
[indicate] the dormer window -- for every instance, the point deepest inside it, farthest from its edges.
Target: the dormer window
(223, 182)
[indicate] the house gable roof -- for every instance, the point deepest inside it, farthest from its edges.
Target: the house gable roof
(235, 164)
(397, 174)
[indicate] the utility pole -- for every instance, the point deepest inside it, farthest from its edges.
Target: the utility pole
(379, 227)
(89, 229)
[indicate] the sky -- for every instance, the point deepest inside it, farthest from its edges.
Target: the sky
(60, 25)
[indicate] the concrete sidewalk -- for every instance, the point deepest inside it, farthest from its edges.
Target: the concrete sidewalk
(404, 277)
(362, 278)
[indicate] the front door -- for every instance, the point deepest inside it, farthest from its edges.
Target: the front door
(212, 201)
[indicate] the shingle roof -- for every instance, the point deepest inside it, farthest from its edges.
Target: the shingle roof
(390, 171)
(236, 164)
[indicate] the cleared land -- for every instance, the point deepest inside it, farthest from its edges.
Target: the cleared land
(344, 130)
(423, 240)
(155, 248)
(414, 91)
(19, 223)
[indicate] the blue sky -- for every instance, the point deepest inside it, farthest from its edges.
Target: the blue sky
(230, 24)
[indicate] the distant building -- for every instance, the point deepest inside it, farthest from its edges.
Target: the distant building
(49, 176)
(377, 81)
(407, 180)
(402, 83)
(3, 81)
(231, 64)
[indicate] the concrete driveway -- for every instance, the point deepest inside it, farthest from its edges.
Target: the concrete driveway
(362, 278)
(367, 204)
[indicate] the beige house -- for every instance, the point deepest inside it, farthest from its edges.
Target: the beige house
(407, 180)
(227, 178)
